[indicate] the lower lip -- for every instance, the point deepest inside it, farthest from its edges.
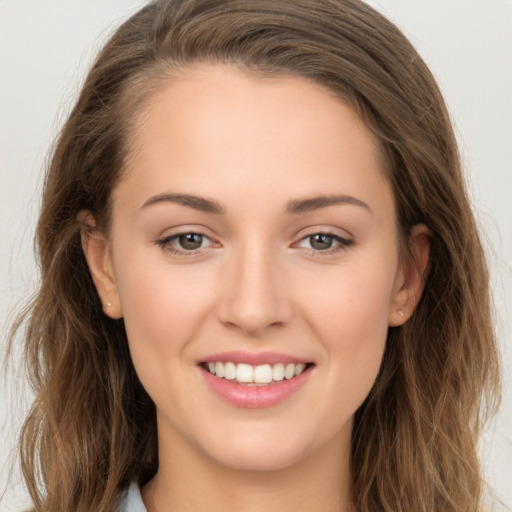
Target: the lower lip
(255, 397)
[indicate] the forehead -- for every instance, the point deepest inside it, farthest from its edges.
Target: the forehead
(217, 128)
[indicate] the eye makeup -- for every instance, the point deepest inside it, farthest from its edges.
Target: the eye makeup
(190, 243)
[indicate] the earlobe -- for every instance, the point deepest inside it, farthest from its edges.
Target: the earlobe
(412, 277)
(96, 251)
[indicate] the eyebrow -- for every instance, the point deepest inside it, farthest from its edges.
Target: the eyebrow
(294, 207)
(315, 203)
(196, 202)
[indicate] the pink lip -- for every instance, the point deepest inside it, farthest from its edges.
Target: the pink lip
(253, 358)
(254, 397)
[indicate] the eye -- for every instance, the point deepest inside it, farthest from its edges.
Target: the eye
(324, 242)
(184, 243)
(190, 241)
(320, 241)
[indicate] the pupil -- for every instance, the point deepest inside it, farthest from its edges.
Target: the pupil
(191, 241)
(320, 241)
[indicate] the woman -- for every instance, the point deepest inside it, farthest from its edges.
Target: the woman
(262, 284)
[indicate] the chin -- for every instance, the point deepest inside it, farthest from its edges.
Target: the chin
(261, 450)
(257, 459)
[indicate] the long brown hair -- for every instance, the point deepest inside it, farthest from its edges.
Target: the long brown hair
(92, 427)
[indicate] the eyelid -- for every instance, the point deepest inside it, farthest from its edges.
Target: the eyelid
(342, 243)
(165, 241)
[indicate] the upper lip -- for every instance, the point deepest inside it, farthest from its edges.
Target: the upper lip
(253, 358)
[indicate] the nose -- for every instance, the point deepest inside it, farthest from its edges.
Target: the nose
(254, 296)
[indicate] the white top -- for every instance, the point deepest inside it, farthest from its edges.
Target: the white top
(131, 500)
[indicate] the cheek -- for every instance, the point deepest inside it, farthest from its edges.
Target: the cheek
(351, 320)
(163, 308)
(354, 304)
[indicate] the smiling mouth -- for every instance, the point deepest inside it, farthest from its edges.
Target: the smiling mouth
(260, 375)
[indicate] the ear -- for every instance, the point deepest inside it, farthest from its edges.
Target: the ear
(410, 280)
(97, 255)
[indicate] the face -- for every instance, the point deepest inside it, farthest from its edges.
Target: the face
(254, 258)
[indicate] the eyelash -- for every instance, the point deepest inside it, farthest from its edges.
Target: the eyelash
(341, 244)
(166, 244)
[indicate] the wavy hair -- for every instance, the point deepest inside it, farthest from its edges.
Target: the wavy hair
(92, 427)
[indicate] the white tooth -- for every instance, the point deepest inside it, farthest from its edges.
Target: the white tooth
(289, 371)
(244, 373)
(230, 371)
(219, 369)
(278, 372)
(211, 368)
(263, 374)
(299, 369)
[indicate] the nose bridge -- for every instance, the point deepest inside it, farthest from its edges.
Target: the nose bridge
(254, 297)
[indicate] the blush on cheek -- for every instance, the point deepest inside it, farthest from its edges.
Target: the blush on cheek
(352, 320)
(161, 307)
(355, 311)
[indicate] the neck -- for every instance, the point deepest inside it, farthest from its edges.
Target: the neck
(188, 480)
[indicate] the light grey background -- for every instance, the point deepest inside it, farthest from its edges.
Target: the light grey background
(45, 50)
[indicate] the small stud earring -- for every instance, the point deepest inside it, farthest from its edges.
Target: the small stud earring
(400, 312)
(107, 304)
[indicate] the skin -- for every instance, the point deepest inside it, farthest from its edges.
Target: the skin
(258, 282)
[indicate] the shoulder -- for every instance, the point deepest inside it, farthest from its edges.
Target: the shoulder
(130, 500)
